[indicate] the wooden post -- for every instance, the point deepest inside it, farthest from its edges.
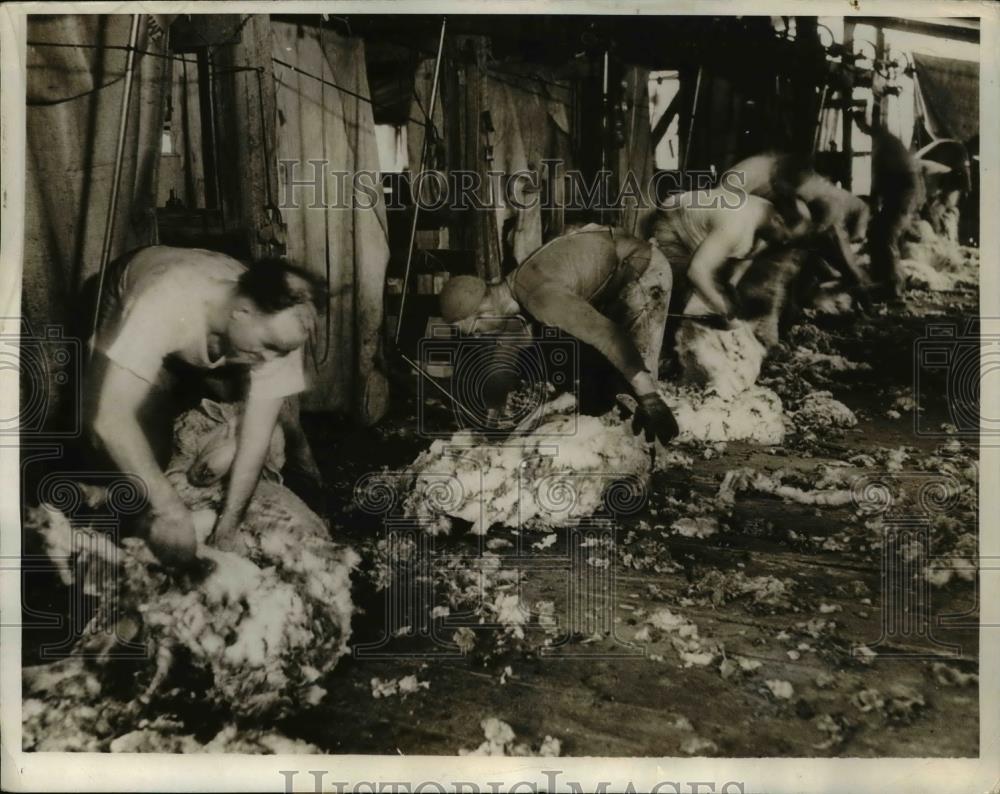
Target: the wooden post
(847, 127)
(480, 233)
(880, 102)
(244, 94)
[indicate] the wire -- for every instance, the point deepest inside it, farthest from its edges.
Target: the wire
(531, 76)
(340, 88)
(35, 103)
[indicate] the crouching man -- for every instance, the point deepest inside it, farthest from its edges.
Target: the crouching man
(604, 287)
(839, 218)
(710, 238)
(168, 314)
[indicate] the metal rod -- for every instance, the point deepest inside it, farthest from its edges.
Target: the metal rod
(819, 119)
(694, 111)
(423, 159)
(605, 131)
(109, 226)
(433, 381)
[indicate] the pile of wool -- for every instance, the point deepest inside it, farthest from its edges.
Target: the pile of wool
(726, 362)
(938, 264)
(818, 410)
(266, 634)
(754, 414)
(561, 472)
(265, 629)
(717, 399)
(165, 736)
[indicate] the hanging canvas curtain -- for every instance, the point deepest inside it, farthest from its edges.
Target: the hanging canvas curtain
(530, 112)
(346, 244)
(949, 96)
(74, 103)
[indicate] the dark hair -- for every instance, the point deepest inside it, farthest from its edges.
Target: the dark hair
(787, 207)
(274, 284)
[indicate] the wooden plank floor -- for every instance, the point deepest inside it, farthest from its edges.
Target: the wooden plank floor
(623, 695)
(650, 704)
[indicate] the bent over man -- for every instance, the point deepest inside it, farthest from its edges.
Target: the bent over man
(711, 236)
(167, 313)
(607, 288)
(839, 218)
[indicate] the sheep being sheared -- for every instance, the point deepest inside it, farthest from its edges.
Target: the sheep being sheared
(265, 624)
(564, 470)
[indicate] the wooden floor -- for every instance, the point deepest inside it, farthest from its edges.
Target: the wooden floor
(605, 691)
(616, 695)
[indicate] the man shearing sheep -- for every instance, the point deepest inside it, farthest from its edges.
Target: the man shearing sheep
(597, 283)
(170, 313)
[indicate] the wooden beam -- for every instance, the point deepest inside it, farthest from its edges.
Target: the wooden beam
(244, 98)
(956, 28)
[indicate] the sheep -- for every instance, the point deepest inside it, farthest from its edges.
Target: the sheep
(266, 623)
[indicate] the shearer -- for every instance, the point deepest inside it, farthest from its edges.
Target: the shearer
(840, 219)
(176, 319)
(597, 283)
(710, 237)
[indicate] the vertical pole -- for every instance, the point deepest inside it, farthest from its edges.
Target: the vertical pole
(694, 110)
(109, 226)
(880, 103)
(847, 128)
(423, 159)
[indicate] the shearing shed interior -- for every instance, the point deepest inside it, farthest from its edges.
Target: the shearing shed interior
(445, 385)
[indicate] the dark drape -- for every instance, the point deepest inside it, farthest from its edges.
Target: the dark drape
(949, 94)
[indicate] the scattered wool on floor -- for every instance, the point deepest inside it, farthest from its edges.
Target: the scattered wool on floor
(161, 736)
(747, 479)
(501, 740)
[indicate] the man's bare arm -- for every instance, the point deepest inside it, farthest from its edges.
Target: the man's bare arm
(256, 428)
(706, 267)
(116, 426)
